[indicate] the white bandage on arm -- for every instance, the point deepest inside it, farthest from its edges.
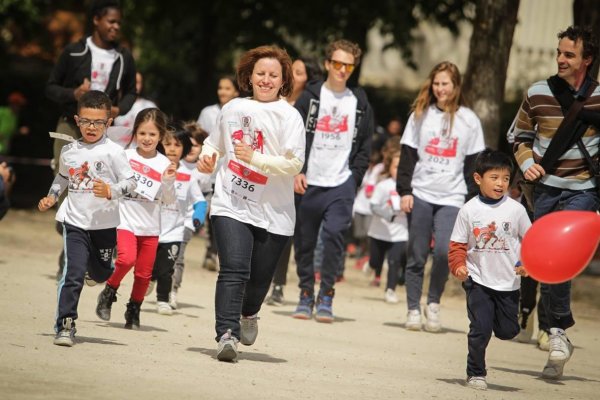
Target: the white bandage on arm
(287, 164)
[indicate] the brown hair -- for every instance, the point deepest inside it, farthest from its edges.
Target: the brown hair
(155, 115)
(426, 97)
(250, 58)
(346, 46)
(194, 130)
(390, 150)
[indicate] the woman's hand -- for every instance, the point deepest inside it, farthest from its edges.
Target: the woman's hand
(406, 203)
(243, 152)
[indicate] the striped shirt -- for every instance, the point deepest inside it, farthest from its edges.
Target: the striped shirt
(536, 124)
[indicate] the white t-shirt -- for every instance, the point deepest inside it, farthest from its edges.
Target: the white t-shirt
(361, 203)
(385, 195)
(128, 119)
(102, 63)
(242, 191)
(121, 135)
(204, 182)
(140, 211)
(493, 233)
(82, 163)
(438, 176)
(173, 216)
(208, 118)
(328, 162)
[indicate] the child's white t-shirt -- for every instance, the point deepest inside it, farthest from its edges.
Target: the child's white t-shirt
(81, 163)
(208, 118)
(128, 119)
(493, 233)
(438, 177)
(361, 203)
(397, 230)
(173, 216)
(204, 182)
(140, 210)
(242, 191)
(328, 164)
(102, 63)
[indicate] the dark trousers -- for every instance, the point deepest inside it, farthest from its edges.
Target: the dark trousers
(556, 298)
(89, 251)
(247, 257)
(331, 206)
(162, 272)
(280, 277)
(396, 253)
(529, 301)
(489, 311)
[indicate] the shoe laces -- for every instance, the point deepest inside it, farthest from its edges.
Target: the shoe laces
(557, 343)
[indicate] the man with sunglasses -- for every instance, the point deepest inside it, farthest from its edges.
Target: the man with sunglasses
(339, 126)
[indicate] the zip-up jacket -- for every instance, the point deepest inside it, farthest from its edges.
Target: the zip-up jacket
(75, 64)
(308, 106)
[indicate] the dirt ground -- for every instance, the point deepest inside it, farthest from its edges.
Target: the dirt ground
(365, 354)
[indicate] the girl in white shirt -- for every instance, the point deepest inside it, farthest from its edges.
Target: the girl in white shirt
(439, 147)
(261, 140)
(137, 234)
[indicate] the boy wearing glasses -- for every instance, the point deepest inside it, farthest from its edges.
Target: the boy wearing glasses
(339, 126)
(96, 172)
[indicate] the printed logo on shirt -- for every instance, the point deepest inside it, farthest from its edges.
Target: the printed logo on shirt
(333, 122)
(79, 175)
(441, 146)
(253, 137)
(490, 237)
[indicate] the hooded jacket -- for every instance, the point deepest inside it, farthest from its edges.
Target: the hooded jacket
(308, 106)
(75, 64)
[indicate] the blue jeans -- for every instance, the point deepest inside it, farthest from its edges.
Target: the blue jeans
(247, 256)
(424, 220)
(556, 299)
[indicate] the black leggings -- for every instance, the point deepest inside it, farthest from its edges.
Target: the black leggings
(396, 253)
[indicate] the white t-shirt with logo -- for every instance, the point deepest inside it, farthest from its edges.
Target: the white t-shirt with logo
(140, 210)
(173, 216)
(361, 203)
(102, 63)
(396, 231)
(493, 233)
(242, 191)
(82, 163)
(438, 176)
(328, 162)
(128, 119)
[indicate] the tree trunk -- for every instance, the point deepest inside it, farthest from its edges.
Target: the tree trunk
(586, 13)
(489, 52)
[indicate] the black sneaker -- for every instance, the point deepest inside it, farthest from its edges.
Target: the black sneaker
(66, 335)
(132, 315)
(105, 300)
(276, 297)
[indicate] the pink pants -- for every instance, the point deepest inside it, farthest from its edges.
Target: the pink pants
(138, 252)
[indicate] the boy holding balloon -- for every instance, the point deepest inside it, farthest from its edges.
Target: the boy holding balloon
(484, 254)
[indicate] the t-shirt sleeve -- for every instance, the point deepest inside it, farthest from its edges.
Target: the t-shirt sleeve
(477, 142)
(460, 233)
(524, 222)
(410, 136)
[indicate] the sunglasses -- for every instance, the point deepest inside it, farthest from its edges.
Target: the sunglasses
(338, 65)
(97, 123)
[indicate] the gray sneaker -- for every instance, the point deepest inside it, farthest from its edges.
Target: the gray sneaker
(248, 329)
(561, 350)
(89, 281)
(476, 382)
(66, 335)
(227, 347)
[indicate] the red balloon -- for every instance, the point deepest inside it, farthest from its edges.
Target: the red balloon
(560, 245)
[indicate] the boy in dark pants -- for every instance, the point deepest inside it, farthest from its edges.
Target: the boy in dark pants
(96, 172)
(484, 254)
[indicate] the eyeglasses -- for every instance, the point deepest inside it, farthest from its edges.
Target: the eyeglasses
(338, 65)
(97, 123)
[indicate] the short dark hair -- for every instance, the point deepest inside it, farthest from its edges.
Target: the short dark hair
(251, 57)
(493, 159)
(99, 8)
(587, 37)
(94, 99)
(183, 137)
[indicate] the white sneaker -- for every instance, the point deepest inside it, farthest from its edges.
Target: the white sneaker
(561, 351)
(248, 329)
(391, 296)
(432, 313)
(227, 347)
(524, 336)
(476, 382)
(173, 299)
(413, 320)
(164, 308)
(150, 288)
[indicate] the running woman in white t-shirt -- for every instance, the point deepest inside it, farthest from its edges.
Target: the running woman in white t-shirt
(137, 233)
(261, 141)
(96, 173)
(484, 254)
(439, 146)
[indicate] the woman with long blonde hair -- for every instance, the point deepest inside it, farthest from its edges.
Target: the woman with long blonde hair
(439, 146)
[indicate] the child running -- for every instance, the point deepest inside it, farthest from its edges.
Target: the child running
(484, 254)
(388, 231)
(96, 172)
(137, 234)
(172, 217)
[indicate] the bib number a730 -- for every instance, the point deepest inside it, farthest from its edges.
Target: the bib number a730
(244, 184)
